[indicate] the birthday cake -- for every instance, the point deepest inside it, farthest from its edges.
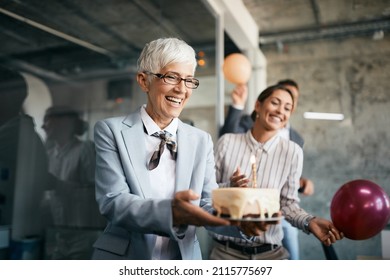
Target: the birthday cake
(239, 203)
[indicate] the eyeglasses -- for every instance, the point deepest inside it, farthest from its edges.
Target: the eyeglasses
(172, 78)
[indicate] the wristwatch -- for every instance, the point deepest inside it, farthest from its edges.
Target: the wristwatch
(306, 224)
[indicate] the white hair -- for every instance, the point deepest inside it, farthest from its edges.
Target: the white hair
(161, 52)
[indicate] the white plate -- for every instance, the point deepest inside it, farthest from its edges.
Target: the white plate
(249, 219)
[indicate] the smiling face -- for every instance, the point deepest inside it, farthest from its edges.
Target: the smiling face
(275, 111)
(166, 101)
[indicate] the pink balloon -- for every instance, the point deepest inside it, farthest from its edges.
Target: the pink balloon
(237, 68)
(360, 209)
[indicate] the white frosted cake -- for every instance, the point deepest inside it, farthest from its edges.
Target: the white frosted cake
(237, 203)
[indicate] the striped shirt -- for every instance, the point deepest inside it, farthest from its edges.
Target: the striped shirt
(279, 165)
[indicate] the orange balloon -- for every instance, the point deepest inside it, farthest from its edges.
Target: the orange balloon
(237, 68)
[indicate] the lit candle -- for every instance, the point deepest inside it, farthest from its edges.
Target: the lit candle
(254, 175)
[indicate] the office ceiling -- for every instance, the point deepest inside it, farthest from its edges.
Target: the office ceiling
(61, 40)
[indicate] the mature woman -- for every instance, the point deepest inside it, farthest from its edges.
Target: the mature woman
(279, 163)
(152, 170)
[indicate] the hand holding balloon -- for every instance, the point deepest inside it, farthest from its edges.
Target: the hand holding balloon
(325, 231)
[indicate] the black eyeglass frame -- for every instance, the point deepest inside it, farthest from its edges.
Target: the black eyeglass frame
(193, 82)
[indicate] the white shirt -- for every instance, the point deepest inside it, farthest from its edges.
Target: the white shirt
(285, 132)
(279, 165)
(162, 178)
(74, 162)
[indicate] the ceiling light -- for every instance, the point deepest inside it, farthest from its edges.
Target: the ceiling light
(323, 116)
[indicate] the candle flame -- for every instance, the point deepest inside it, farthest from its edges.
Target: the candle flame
(253, 159)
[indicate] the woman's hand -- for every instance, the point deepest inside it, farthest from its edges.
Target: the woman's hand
(325, 231)
(238, 180)
(186, 213)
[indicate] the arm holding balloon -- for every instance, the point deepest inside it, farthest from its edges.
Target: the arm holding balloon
(325, 231)
(236, 121)
(239, 96)
(237, 70)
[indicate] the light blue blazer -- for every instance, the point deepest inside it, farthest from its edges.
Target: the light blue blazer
(125, 198)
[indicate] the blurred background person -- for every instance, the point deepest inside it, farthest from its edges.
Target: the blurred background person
(23, 171)
(76, 219)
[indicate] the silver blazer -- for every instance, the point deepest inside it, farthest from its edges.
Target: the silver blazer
(128, 203)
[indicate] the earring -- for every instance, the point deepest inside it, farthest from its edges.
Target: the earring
(257, 116)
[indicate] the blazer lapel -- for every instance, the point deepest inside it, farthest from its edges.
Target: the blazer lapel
(185, 158)
(135, 145)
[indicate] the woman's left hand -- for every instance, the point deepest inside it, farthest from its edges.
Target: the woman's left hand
(238, 180)
(325, 231)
